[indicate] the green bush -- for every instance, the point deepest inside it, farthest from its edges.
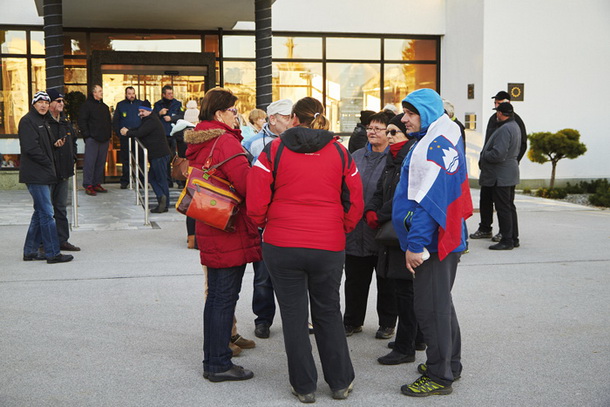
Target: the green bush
(527, 191)
(601, 197)
(553, 193)
(585, 187)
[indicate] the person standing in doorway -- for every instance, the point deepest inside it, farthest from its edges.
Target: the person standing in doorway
(169, 110)
(96, 128)
(126, 114)
(37, 171)
(64, 139)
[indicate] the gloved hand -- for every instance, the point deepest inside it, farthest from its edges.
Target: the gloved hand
(371, 219)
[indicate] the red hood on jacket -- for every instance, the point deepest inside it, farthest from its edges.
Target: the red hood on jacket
(206, 131)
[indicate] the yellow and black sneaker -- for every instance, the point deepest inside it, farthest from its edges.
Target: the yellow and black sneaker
(422, 369)
(424, 386)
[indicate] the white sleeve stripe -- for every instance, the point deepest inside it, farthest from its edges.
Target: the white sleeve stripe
(260, 165)
(355, 172)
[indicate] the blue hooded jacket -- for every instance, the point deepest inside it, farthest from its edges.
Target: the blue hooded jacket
(422, 228)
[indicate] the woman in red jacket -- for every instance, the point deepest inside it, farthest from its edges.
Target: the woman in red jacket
(224, 253)
(306, 192)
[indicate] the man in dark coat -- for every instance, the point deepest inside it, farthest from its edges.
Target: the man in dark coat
(96, 128)
(168, 110)
(126, 114)
(500, 172)
(358, 138)
(37, 171)
(64, 139)
(486, 201)
(152, 135)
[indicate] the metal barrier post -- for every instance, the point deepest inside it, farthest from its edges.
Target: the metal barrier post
(146, 211)
(129, 142)
(75, 199)
(135, 172)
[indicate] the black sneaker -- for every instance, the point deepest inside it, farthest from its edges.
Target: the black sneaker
(396, 358)
(304, 398)
(233, 374)
(262, 331)
(60, 258)
(480, 235)
(497, 238)
(501, 246)
(342, 394)
(424, 386)
(422, 369)
(384, 332)
(33, 256)
(350, 330)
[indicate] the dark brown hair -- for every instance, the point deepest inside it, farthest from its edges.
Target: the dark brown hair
(311, 113)
(381, 117)
(214, 100)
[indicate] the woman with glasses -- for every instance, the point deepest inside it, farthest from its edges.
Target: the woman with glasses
(224, 253)
(391, 259)
(361, 249)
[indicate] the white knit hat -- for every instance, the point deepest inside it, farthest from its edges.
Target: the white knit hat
(41, 95)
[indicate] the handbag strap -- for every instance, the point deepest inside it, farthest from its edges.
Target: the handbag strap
(211, 169)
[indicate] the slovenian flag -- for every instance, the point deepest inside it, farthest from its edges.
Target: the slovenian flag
(436, 161)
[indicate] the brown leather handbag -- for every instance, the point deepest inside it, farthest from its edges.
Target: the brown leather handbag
(180, 168)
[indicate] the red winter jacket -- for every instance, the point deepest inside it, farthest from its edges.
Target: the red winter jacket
(316, 196)
(220, 249)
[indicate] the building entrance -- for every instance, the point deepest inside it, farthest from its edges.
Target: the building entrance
(189, 83)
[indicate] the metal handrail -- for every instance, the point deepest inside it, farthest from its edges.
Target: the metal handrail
(75, 199)
(134, 176)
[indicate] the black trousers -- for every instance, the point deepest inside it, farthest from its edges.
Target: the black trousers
(408, 332)
(504, 200)
(486, 208)
(358, 276)
(299, 275)
(436, 316)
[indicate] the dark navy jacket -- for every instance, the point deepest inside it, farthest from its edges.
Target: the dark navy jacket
(126, 115)
(174, 111)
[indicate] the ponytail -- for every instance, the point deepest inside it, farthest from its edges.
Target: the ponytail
(310, 113)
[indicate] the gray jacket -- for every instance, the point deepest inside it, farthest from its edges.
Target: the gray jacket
(498, 161)
(361, 241)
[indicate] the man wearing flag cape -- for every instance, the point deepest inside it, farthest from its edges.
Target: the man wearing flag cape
(431, 203)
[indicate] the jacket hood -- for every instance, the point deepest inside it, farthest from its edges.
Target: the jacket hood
(306, 140)
(207, 130)
(430, 107)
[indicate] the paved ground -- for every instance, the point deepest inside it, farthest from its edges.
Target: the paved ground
(121, 324)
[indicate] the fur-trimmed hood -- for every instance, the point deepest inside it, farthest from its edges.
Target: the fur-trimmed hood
(207, 130)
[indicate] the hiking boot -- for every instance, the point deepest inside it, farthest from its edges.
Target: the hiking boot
(236, 350)
(422, 369)
(33, 256)
(501, 246)
(497, 238)
(99, 188)
(90, 191)
(304, 398)
(384, 332)
(68, 247)
(243, 342)
(342, 394)
(424, 386)
(350, 330)
(262, 331)
(480, 235)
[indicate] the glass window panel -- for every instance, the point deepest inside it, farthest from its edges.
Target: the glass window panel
(297, 47)
(238, 46)
(13, 42)
(146, 42)
(75, 70)
(401, 79)
(410, 50)
(353, 48)
(14, 100)
(295, 81)
(37, 42)
(39, 75)
(211, 44)
(240, 77)
(75, 43)
(351, 88)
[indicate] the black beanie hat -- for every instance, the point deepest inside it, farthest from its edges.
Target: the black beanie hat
(409, 106)
(396, 122)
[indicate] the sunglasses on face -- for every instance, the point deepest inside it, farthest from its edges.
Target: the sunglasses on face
(232, 110)
(392, 132)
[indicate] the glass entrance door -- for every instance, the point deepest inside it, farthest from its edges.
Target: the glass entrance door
(188, 83)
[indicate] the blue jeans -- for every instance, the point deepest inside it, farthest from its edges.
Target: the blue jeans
(42, 226)
(224, 285)
(263, 302)
(157, 177)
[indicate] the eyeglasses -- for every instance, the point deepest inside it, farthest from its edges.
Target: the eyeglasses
(392, 132)
(232, 110)
(375, 129)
